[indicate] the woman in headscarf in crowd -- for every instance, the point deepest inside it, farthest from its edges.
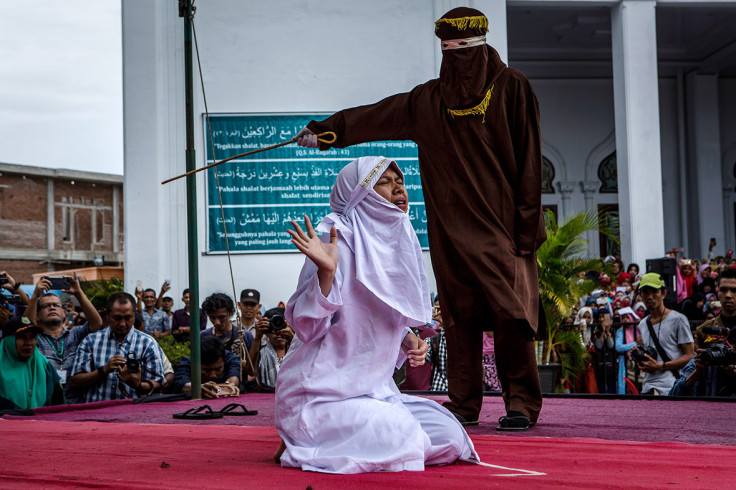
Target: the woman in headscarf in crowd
(27, 379)
(362, 287)
(625, 340)
(688, 278)
(703, 273)
(633, 271)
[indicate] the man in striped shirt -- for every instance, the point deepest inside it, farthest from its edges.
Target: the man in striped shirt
(118, 361)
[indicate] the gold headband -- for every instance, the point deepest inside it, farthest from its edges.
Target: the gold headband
(462, 23)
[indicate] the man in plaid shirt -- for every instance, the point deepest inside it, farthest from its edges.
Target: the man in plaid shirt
(101, 368)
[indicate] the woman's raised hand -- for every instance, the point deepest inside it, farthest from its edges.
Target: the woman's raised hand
(324, 255)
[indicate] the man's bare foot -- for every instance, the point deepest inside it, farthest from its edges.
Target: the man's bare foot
(279, 452)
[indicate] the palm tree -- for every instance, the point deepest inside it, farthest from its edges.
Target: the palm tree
(562, 282)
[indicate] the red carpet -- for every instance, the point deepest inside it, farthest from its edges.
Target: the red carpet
(43, 454)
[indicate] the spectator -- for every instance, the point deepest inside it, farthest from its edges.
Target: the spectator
(625, 341)
(633, 271)
(155, 322)
(490, 379)
(218, 366)
(703, 273)
(419, 377)
(118, 361)
(220, 309)
(180, 322)
(270, 356)
(167, 304)
(27, 379)
(58, 344)
(250, 308)
(165, 287)
(699, 379)
(13, 287)
(605, 357)
(670, 330)
(437, 353)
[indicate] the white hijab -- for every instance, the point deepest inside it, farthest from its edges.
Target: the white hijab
(388, 258)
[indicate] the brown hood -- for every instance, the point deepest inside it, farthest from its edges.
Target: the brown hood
(467, 74)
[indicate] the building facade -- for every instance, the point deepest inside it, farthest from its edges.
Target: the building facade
(56, 219)
(637, 99)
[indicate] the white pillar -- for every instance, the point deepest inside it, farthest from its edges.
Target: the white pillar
(728, 217)
(636, 101)
(566, 189)
(704, 145)
(589, 191)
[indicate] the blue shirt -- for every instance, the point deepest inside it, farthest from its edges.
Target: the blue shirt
(183, 373)
(97, 349)
(158, 321)
(61, 353)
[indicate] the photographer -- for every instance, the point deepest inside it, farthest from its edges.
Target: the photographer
(711, 372)
(218, 366)
(269, 356)
(665, 340)
(59, 344)
(118, 361)
(16, 297)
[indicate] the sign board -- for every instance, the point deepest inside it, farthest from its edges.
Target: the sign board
(262, 193)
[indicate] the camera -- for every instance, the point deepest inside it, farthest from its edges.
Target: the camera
(11, 299)
(133, 365)
(718, 354)
(4, 280)
(276, 323)
(639, 353)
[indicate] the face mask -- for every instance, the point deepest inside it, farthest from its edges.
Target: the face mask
(640, 314)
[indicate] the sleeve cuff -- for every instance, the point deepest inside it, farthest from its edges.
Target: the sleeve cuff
(325, 305)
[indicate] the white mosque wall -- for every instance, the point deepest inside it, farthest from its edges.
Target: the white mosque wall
(318, 57)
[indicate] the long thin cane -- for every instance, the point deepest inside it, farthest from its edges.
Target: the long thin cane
(320, 138)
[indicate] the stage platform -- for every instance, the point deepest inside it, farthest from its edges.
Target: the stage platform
(578, 443)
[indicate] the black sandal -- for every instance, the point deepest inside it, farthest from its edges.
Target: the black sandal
(515, 423)
(232, 410)
(199, 413)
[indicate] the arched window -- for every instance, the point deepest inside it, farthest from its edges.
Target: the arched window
(548, 176)
(608, 175)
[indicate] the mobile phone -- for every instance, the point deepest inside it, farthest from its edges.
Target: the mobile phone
(59, 282)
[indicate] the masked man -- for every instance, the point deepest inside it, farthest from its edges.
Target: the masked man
(477, 128)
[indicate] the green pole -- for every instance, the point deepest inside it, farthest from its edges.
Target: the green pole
(186, 11)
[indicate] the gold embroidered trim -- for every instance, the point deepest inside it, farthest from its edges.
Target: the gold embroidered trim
(479, 110)
(463, 23)
(367, 181)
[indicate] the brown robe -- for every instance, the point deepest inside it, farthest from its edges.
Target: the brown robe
(482, 188)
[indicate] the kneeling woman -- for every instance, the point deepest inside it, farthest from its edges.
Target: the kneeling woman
(363, 284)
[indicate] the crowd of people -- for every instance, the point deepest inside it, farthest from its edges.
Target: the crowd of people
(643, 337)
(76, 353)
(59, 349)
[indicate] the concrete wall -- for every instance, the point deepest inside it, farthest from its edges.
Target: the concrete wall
(256, 57)
(322, 56)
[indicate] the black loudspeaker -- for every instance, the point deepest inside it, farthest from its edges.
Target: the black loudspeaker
(667, 268)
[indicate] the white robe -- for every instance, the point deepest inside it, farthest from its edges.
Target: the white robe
(337, 408)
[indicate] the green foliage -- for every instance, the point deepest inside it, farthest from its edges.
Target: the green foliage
(98, 291)
(174, 349)
(562, 283)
